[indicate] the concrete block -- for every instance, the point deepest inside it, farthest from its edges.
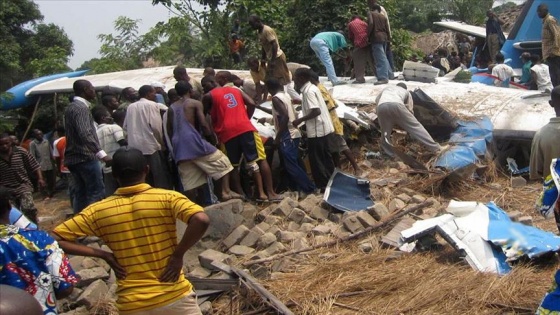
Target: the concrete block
(435, 203)
(365, 219)
(308, 219)
(404, 197)
(266, 240)
(335, 217)
(393, 171)
(225, 217)
(208, 256)
(300, 243)
(297, 215)
(306, 227)
(418, 198)
(273, 230)
(275, 248)
(319, 214)
(82, 310)
(93, 293)
(310, 202)
(263, 214)
(239, 250)
(235, 236)
(253, 236)
(286, 236)
(518, 182)
(88, 276)
(263, 226)
(259, 271)
(285, 207)
(200, 272)
(379, 211)
(396, 204)
(272, 220)
(293, 227)
(322, 229)
(281, 265)
(351, 223)
(76, 262)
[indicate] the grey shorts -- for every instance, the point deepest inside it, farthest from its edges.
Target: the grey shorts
(336, 143)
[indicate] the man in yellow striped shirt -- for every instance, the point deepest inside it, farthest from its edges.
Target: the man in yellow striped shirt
(138, 224)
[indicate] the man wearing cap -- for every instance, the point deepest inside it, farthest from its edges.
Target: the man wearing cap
(138, 224)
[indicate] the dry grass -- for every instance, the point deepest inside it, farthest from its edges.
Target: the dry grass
(104, 306)
(427, 283)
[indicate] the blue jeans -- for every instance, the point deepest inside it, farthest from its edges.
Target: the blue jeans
(289, 151)
(379, 53)
(322, 51)
(88, 184)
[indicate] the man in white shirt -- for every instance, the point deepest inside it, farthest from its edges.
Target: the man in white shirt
(394, 107)
(111, 138)
(318, 126)
(502, 71)
(144, 129)
(540, 74)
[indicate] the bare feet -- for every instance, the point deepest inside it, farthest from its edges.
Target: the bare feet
(231, 195)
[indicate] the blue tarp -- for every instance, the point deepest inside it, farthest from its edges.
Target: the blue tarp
(468, 142)
(348, 193)
(517, 239)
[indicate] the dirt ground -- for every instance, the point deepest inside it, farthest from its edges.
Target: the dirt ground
(344, 280)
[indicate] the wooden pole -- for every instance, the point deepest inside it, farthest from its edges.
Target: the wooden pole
(390, 219)
(32, 119)
(55, 101)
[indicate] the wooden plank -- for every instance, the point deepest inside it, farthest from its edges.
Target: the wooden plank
(213, 284)
(267, 297)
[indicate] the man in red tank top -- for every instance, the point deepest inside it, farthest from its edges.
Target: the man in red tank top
(230, 110)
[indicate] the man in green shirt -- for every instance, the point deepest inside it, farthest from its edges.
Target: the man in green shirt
(322, 44)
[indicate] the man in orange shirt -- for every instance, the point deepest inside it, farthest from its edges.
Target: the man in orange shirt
(235, 46)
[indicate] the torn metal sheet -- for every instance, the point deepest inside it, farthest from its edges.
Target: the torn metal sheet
(486, 235)
(346, 192)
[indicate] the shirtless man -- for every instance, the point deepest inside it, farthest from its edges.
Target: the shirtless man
(196, 158)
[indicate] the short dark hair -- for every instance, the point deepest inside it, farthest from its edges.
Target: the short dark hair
(98, 113)
(273, 84)
(80, 86)
(128, 163)
(183, 87)
(535, 58)
(179, 70)
(106, 99)
(500, 57)
(400, 84)
(376, 7)
(145, 90)
(304, 73)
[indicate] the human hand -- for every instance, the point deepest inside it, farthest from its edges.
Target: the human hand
(296, 122)
(120, 272)
(172, 270)
(108, 161)
(41, 183)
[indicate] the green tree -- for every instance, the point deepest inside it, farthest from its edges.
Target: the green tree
(124, 49)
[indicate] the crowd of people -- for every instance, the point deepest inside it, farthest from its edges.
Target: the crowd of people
(144, 158)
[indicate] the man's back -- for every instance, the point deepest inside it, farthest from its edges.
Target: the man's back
(380, 29)
(266, 37)
(228, 112)
(81, 139)
(138, 225)
(543, 77)
(545, 148)
(144, 126)
(504, 73)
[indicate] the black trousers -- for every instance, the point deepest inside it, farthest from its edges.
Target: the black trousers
(320, 159)
(554, 69)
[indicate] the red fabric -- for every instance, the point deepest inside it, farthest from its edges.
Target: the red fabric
(357, 32)
(229, 115)
(60, 147)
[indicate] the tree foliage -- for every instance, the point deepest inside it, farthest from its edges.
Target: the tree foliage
(26, 41)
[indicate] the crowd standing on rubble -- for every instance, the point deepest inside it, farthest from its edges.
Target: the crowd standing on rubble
(122, 160)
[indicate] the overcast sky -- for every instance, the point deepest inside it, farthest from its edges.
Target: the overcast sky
(83, 20)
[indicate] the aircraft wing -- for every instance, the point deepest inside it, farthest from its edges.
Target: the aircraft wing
(476, 31)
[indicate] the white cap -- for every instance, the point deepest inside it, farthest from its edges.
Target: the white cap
(158, 85)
